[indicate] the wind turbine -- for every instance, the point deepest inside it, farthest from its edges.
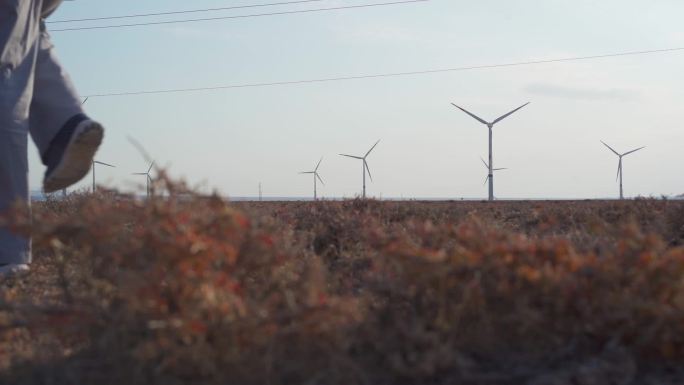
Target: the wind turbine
(619, 171)
(149, 177)
(94, 163)
(316, 177)
(365, 166)
(489, 125)
(487, 167)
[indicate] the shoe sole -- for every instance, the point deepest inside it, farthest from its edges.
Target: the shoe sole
(77, 159)
(14, 272)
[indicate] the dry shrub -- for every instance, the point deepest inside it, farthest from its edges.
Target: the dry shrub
(192, 290)
(185, 291)
(461, 299)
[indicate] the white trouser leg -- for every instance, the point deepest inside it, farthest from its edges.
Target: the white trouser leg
(55, 99)
(19, 36)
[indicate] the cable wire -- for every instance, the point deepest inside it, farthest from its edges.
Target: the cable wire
(241, 16)
(387, 75)
(181, 12)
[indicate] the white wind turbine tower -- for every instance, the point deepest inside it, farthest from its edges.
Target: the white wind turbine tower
(148, 177)
(316, 178)
(487, 167)
(619, 171)
(490, 165)
(365, 166)
(93, 166)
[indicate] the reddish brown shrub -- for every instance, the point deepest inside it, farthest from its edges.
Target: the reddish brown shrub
(193, 290)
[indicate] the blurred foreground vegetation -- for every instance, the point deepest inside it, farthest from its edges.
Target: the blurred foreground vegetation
(200, 291)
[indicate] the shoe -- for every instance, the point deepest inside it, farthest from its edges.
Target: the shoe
(13, 270)
(71, 153)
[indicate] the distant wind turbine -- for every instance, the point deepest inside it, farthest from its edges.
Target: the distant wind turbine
(490, 165)
(94, 163)
(619, 171)
(487, 167)
(148, 177)
(316, 178)
(365, 166)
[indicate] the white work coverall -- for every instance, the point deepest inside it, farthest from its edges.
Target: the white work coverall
(36, 97)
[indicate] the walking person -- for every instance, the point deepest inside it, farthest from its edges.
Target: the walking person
(37, 98)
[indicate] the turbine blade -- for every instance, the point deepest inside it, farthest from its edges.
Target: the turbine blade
(102, 163)
(619, 171)
(150, 169)
(611, 148)
(307, 172)
(499, 169)
(368, 169)
(352, 156)
(633, 151)
(510, 113)
(471, 114)
(486, 180)
(485, 163)
(319, 178)
(318, 165)
(140, 173)
(372, 148)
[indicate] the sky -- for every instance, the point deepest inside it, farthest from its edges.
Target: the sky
(231, 140)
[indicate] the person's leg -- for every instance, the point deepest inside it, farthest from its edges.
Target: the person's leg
(13, 181)
(55, 100)
(66, 138)
(19, 30)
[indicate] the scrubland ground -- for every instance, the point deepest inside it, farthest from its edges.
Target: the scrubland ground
(199, 291)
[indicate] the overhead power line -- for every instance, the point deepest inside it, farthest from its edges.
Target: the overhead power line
(387, 75)
(182, 12)
(361, 6)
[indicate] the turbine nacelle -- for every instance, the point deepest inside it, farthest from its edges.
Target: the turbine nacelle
(102, 163)
(486, 123)
(620, 173)
(489, 176)
(366, 168)
(95, 162)
(490, 125)
(148, 177)
(316, 176)
(622, 155)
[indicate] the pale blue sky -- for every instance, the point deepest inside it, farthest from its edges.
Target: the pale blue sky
(233, 139)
